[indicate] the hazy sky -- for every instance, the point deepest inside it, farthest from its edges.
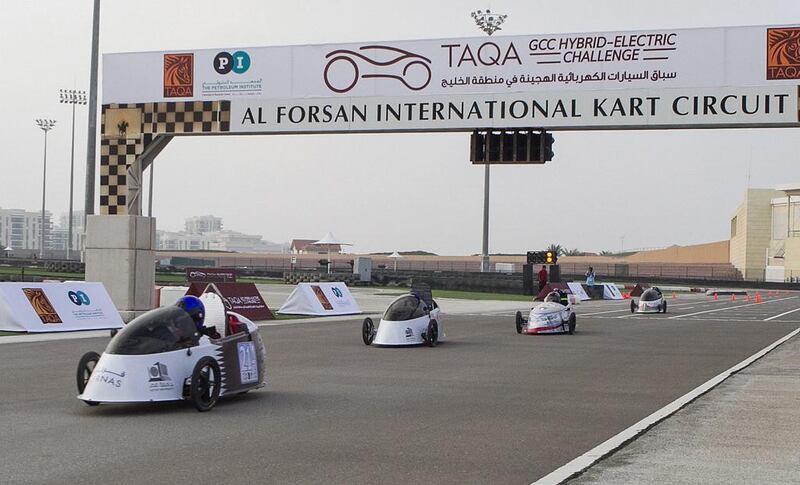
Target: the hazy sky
(387, 192)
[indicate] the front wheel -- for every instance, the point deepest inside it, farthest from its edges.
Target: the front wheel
(520, 322)
(432, 334)
(368, 331)
(573, 320)
(205, 385)
(85, 368)
(665, 307)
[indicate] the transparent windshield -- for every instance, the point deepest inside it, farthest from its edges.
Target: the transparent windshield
(651, 294)
(405, 308)
(162, 330)
(553, 296)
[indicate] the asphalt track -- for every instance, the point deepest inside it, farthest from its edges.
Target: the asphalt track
(488, 406)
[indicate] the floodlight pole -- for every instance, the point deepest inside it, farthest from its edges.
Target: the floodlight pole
(46, 125)
(489, 23)
(72, 97)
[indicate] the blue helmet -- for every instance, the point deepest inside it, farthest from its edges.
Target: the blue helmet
(194, 307)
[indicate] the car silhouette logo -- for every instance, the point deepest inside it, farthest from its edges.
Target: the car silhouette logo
(342, 72)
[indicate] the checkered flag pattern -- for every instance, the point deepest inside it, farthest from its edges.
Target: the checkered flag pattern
(169, 118)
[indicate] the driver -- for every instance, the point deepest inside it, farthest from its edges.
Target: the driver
(195, 308)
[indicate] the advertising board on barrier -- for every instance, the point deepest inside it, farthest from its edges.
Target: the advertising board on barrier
(320, 299)
(241, 298)
(577, 290)
(56, 307)
(611, 292)
(211, 275)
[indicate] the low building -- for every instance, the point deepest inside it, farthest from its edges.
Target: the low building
(307, 246)
(21, 229)
(765, 234)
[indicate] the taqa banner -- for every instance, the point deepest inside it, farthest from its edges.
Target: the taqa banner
(56, 307)
(320, 299)
(643, 60)
(241, 298)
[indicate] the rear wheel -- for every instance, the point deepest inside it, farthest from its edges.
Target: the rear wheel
(432, 334)
(368, 331)
(205, 385)
(520, 322)
(85, 368)
(665, 307)
(633, 306)
(572, 322)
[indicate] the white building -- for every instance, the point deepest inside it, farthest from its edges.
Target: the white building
(20, 229)
(203, 224)
(181, 241)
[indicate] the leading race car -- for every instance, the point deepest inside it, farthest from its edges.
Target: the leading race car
(168, 355)
(553, 315)
(411, 319)
(651, 301)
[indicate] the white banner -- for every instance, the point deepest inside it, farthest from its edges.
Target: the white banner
(320, 299)
(56, 307)
(700, 107)
(671, 58)
(611, 292)
(577, 290)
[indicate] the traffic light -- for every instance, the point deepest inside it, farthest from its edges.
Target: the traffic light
(542, 257)
(511, 146)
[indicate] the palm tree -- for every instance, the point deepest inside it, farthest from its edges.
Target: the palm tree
(606, 253)
(556, 248)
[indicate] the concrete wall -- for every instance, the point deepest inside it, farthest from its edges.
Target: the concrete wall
(792, 257)
(716, 252)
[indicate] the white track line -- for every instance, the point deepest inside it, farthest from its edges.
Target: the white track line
(782, 314)
(730, 308)
(671, 305)
(606, 448)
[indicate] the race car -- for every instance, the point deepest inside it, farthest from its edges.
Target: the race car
(553, 315)
(651, 301)
(165, 355)
(412, 319)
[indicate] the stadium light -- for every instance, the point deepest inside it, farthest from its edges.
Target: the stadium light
(73, 97)
(45, 125)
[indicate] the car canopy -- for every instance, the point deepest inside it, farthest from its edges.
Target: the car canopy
(651, 294)
(160, 330)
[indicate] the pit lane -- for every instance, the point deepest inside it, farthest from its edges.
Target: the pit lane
(487, 406)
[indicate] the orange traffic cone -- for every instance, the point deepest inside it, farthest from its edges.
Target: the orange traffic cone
(758, 297)
(716, 296)
(747, 297)
(674, 297)
(733, 297)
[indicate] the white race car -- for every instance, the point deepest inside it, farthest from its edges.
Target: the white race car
(553, 315)
(161, 356)
(412, 319)
(651, 301)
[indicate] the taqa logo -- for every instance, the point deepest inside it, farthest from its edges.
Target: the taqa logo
(79, 298)
(238, 62)
(178, 75)
(783, 53)
(158, 373)
(337, 292)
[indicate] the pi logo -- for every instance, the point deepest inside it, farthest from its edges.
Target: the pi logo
(79, 298)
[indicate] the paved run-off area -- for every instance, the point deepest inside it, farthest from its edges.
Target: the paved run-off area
(489, 405)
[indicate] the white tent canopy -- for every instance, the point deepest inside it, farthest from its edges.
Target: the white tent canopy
(395, 256)
(328, 241)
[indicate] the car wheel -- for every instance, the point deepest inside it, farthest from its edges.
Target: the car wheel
(432, 334)
(573, 320)
(205, 385)
(85, 368)
(520, 322)
(633, 306)
(665, 307)
(368, 331)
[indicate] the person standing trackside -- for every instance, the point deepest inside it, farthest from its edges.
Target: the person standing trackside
(542, 278)
(590, 277)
